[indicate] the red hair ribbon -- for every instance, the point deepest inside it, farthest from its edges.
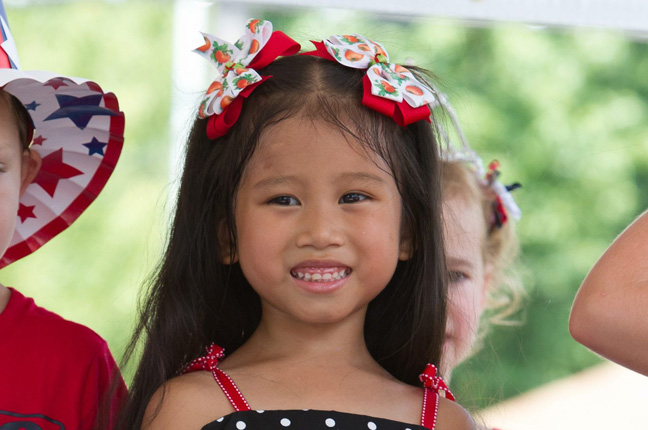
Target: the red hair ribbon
(503, 204)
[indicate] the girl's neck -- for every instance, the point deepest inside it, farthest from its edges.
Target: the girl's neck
(280, 340)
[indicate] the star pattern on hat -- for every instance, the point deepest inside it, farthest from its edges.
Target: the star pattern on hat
(38, 140)
(95, 147)
(52, 170)
(71, 176)
(79, 109)
(25, 212)
(32, 106)
(56, 83)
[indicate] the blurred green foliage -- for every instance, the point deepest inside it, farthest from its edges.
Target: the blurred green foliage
(564, 110)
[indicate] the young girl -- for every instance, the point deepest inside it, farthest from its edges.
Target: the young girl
(609, 312)
(306, 244)
(481, 246)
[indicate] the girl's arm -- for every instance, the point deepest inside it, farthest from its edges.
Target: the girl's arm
(186, 402)
(451, 416)
(609, 314)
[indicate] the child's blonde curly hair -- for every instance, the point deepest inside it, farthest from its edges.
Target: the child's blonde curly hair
(501, 247)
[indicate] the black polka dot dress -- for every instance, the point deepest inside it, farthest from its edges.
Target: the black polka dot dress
(304, 420)
(244, 418)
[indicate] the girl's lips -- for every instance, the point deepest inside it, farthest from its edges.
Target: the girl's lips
(320, 276)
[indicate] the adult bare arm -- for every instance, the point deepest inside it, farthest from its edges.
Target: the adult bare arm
(609, 314)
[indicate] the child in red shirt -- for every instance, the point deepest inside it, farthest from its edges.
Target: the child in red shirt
(54, 374)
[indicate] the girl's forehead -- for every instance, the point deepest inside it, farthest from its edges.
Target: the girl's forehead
(463, 219)
(297, 134)
(310, 147)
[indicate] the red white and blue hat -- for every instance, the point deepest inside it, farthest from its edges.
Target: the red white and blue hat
(78, 132)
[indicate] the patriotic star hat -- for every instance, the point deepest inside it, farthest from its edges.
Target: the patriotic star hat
(78, 131)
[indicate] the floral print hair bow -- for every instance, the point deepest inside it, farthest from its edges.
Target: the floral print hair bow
(389, 88)
(236, 64)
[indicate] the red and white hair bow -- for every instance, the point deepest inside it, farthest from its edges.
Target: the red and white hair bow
(505, 205)
(236, 64)
(389, 88)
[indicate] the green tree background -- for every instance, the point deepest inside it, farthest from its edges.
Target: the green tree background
(562, 109)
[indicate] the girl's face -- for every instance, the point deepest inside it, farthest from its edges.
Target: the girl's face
(17, 169)
(464, 234)
(318, 224)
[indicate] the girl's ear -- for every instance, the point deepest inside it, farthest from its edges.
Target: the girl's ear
(228, 251)
(31, 164)
(405, 248)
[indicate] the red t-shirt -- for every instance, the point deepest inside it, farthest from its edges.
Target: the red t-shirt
(53, 373)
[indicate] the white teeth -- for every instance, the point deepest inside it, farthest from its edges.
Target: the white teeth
(335, 276)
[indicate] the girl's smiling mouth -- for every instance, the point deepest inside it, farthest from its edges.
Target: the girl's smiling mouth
(320, 276)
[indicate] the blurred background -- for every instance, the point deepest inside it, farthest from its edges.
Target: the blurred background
(563, 108)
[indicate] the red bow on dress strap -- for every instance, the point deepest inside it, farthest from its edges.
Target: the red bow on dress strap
(209, 361)
(430, 380)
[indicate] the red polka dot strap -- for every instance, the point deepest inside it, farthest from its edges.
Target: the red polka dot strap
(433, 384)
(209, 362)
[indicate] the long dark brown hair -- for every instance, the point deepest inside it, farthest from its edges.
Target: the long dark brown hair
(194, 299)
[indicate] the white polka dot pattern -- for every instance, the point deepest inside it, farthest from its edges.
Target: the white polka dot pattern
(304, 420)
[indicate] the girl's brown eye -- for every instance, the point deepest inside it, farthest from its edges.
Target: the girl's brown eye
(284, 201)
(352, 198)
(456, 276)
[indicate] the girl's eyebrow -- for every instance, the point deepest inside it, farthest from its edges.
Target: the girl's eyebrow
(458, 261)
(362, 176)
(350, 176)
(275, 181)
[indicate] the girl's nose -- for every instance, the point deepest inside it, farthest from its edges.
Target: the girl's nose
(320, 228)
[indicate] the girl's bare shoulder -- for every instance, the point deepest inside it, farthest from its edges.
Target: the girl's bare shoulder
(187, 401)
(452, 416)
